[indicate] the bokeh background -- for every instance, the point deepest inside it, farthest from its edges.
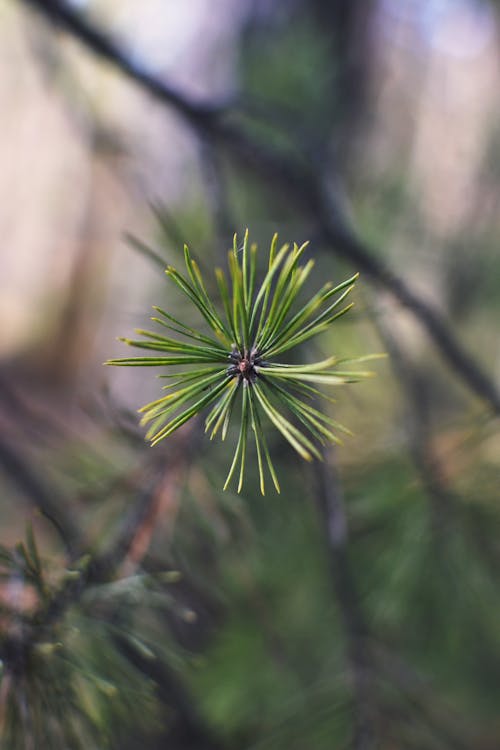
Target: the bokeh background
(140, 606)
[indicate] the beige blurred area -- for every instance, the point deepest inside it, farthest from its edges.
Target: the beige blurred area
(435, 106)
(83, 153)
(436, 121)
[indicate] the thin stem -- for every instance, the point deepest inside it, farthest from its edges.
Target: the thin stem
(331, 506)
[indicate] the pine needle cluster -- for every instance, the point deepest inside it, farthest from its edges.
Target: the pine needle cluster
(240, 357)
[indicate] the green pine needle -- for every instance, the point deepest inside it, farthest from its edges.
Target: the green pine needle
(256, 323)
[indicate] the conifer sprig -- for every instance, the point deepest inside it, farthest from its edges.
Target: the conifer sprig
(236, 360)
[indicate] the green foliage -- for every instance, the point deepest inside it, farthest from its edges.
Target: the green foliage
(263, 681)
(66, 679)
(238, 358)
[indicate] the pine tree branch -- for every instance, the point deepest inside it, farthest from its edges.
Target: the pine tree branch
(186, 729)
(97, 567)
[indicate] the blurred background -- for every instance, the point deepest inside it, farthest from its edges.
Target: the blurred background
(140, 606)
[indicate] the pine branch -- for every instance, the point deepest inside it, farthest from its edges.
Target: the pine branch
(239, 360)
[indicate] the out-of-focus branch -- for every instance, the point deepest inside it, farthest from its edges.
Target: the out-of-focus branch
(101, 566)
(448, 727)
(186, 728)
(331, 505)
(217, 194)
(299, 179)
(92, 37)
(44, 498)
(442, 497)
(161, 499)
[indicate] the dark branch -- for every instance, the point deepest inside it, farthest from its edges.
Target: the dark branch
(348, 245)
(418, 427)
(186, 729)
(44, 498)
(101, 45)
(331, 505)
